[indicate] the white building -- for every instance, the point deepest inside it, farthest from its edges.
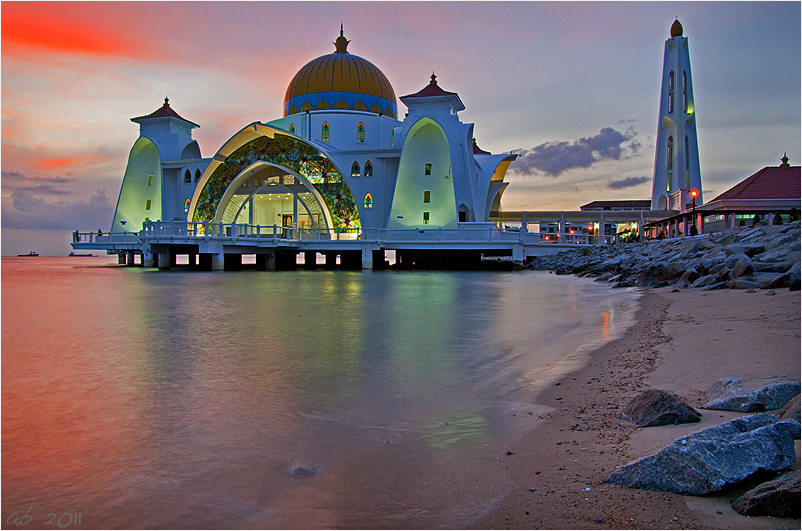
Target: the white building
(676, 163)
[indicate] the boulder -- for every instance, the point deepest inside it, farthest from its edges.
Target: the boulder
(778, 498)
(659, 408)
(707, 280)
(748, 395)
(749, 249)
(739, 265)
(707, 460)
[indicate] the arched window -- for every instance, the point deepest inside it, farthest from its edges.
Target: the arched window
(669, 163)
(360, 132)
(671, 92)
(187, 177)
(368, 169)
(392, 136)
(186, 205)
(687, 165)
(684, 92)
(368, 200)
(355, 169)
(292, 128)
(325, 132)
(197, 175)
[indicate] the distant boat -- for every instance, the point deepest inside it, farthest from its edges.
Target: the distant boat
(29, 254)
(81, 254)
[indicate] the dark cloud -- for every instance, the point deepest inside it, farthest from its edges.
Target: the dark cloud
(24, 210)
(554, 158)
(627, 183)
(13, 181)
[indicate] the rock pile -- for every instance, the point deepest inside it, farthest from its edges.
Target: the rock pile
(765, 257)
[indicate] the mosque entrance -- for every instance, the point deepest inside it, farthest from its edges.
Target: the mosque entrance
(270, 195)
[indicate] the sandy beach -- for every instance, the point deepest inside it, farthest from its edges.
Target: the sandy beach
(682, 342)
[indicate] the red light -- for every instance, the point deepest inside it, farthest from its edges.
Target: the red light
(694, 193)
(572, 231)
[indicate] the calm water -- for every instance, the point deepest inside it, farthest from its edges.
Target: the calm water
(146, 399)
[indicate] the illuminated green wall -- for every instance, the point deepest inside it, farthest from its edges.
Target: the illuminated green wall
(426, 143)
(138, 188)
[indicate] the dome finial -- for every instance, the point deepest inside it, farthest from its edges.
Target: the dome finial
(785, 161)
(434, 79)
(341, 44)
(166, 102)
(676, 29)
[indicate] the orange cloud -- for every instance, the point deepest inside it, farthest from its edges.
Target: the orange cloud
(52, 163)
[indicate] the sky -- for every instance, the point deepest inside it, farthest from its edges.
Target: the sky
(573, 87)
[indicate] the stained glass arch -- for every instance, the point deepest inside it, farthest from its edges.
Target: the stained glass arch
(355, 171)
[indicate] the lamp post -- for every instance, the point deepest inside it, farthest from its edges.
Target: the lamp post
(694, 231)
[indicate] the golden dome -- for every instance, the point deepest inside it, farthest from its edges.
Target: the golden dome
(676, 29)
(340, 80)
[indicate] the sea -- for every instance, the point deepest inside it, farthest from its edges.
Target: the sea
(143, 399)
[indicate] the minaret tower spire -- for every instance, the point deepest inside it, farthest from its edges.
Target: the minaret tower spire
(676, 161)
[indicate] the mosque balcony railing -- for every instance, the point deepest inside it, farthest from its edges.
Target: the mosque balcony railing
(103, 238)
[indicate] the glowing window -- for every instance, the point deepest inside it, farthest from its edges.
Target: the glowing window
(187, 177)
(150, 180)
(292, 128)
(684, 92)
(669, 163)
(671, 92)
(428, 169)
(355, 169)
(147, 204)
(427, 196)
(186, 205)
(197, 175)
(325, 132)
(368, 169)
(368, 200)
(425, 218)
(360, 132)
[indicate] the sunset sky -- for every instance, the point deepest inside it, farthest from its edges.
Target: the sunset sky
(573, 86)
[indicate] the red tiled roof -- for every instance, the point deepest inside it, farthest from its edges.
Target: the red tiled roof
(163, 112)
(432, 89)
(772, 182)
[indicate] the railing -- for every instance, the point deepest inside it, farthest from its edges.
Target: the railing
(485, 232)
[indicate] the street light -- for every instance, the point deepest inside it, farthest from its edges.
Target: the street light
(694, 193)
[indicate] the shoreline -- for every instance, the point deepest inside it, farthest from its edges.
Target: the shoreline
(680, 342)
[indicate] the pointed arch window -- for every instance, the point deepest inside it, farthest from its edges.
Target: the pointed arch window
(669, 162)
(360, 132)
(325, 132)
(684, 92)
(671, 92)
(368, 202)
(187, 177)
(186, 205)
(355, 169)
(368, 169)
(687, 165)
(197, 175)
(292, 128)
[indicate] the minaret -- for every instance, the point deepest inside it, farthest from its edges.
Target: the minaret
(676, 161)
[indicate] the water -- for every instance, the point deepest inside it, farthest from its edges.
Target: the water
(307, 399)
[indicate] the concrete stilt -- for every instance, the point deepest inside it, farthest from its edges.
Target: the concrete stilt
(164, 261)
(218, 261)
(310, 259)
(147, 258)
(367, 258)
(121, 258)
(130, 258)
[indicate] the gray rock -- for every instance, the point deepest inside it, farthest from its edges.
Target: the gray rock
(778, 498)
(749, 249)
(749, 395)
(717, 285)
(707, 280)
(749, 282)
(739, 265)
(707, 460)
(659, 408)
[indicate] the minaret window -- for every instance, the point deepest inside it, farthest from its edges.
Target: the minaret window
(425, 218)
(368, 202)
(325, 132)
(669, 163)
(687, 165)
(355, 169)
(292, 128)
(186, 205)
(671, 92)
(360, 132)
(147, 204)
(427, 196)
(197, 175)
(150, 180)
(368, 169)
(187, 177)
(427, 169)
(684, 92)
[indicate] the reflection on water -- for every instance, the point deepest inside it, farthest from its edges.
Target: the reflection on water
(283, 399)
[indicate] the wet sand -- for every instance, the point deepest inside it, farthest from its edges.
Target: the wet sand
(682, 342)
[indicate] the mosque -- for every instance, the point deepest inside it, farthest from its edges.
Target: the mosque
(338, 161)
